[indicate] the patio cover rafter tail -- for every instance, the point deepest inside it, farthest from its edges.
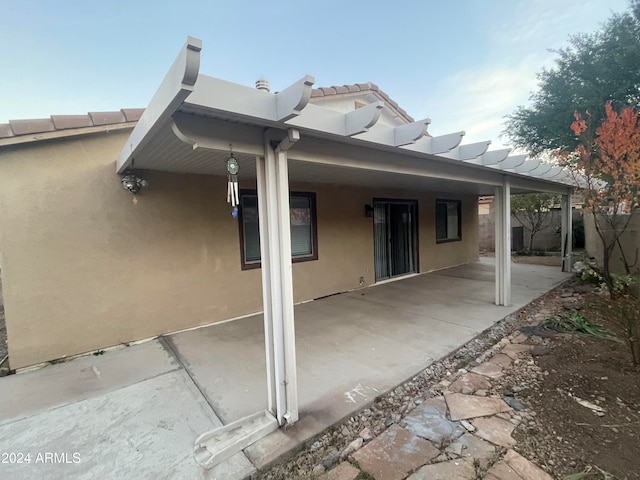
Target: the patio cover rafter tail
(435, 145)
(397, 136)
(512, 161)
(468, 151)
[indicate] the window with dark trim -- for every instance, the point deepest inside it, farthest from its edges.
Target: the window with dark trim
(448, 221)
(302, 215)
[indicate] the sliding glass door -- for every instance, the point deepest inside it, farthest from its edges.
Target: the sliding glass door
(395, 238)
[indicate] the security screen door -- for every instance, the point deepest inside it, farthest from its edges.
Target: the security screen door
(395, 237)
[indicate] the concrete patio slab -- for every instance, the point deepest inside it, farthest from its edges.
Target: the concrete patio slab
(145, 430)
(81, 378)
(352, 347)
(135, 412)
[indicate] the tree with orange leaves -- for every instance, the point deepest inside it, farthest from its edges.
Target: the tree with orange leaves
(608, 163)
(608, 160)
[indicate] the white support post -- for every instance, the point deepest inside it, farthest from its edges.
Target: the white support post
(567, 232)
(266, 283)
(503, 243)
(277, 282)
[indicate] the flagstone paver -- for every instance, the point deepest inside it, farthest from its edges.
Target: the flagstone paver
(488, 369)
(495, 430)
(473, 381)
(344, 471)
(501, 359)
(462, 407)
(476, 447)
(395, 453)
(439, 403)
(462, 469)
(515, 349)
(502, 471)
(524, 467)
(428, 420)
(519, 338)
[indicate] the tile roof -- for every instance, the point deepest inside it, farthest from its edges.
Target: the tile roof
(16, 128)
(361, 87)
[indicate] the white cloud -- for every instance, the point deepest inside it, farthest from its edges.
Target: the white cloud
(478, 98)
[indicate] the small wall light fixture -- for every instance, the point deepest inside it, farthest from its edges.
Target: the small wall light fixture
(132, 182)
(368, 210)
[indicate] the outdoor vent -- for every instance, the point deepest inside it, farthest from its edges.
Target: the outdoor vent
(262, 84)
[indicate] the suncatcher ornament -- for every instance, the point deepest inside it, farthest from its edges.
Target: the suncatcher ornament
(232, 186)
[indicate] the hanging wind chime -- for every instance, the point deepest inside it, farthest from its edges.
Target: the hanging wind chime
(232, 185)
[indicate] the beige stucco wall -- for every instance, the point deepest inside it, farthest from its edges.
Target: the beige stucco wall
(629, 240)
(84, 268)
(547, 240)
(434, 256)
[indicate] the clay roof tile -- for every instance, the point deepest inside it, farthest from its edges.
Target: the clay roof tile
(107, 118)
(132, 114)
(328, 90)
(35, 125)
(5, 130)
(61, 122)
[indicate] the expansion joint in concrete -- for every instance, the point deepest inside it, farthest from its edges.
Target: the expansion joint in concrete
(168, 345)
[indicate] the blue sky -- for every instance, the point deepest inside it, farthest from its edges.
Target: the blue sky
(463, 63)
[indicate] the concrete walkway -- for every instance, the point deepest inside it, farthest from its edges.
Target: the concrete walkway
(135, 412)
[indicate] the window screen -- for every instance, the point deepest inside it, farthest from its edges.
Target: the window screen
(448, 220)
(303, 228)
